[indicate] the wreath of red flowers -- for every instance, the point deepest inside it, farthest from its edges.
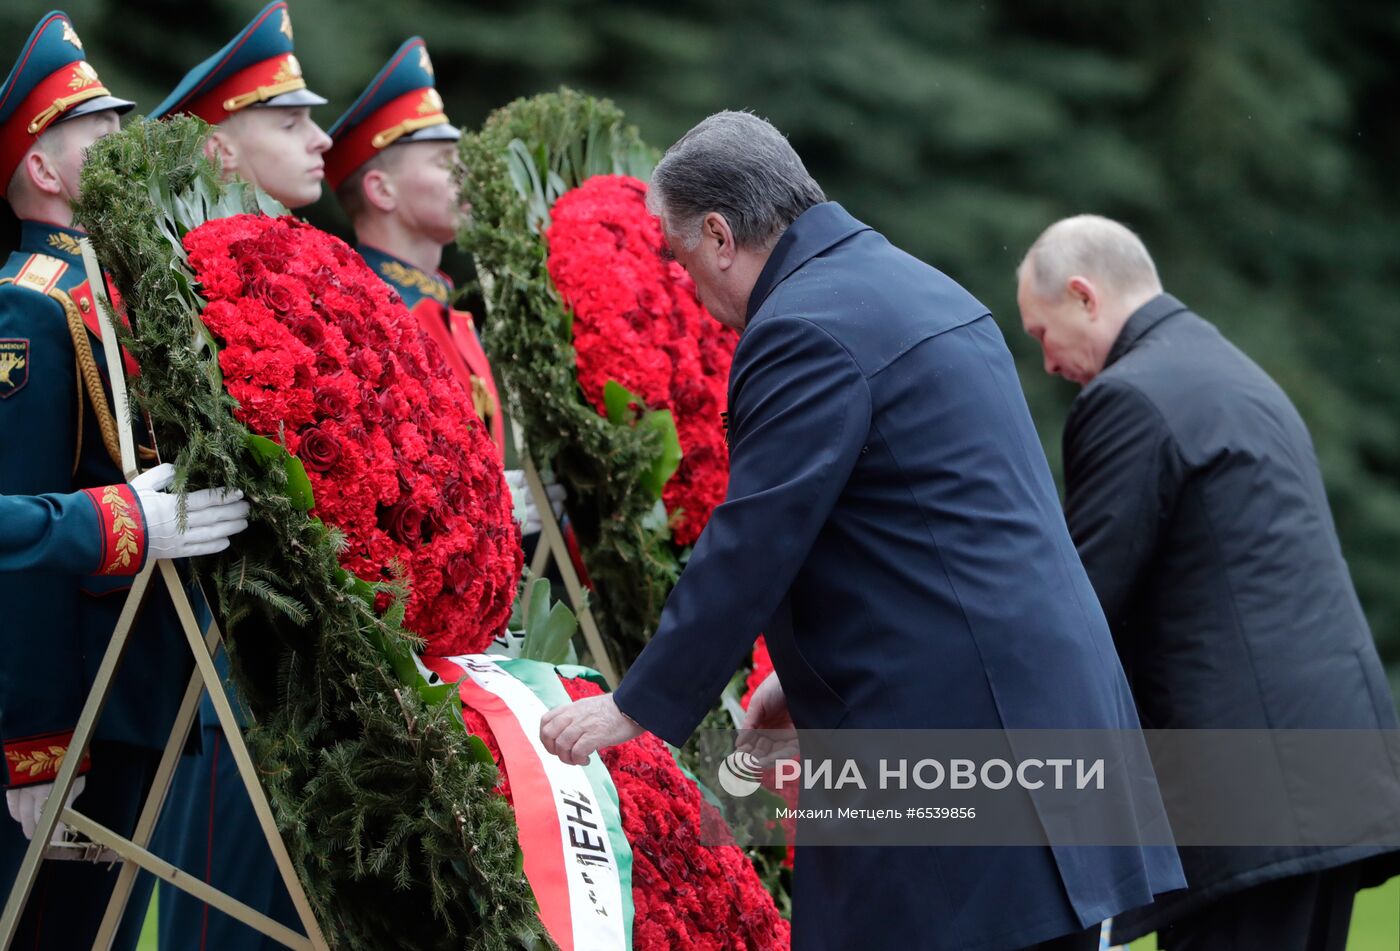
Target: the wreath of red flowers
(638, 321)
(322, 356)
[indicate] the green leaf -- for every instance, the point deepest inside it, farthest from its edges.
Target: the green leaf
(356, 585)
(298, 484)
(396, 652)
(548, 631)
(525, 176)
(664, 466)
(478, 750)
(549, 640)
(537, 602)
(618, 402)
(436, 693)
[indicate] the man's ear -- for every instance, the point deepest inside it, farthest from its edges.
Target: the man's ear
(380, 191)
(43, 175)
(220, 149)
(1083, 292)
(715, 231)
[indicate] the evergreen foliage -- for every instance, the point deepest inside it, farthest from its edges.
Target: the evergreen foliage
(527, 155)
(385, 803)
(1251, 142)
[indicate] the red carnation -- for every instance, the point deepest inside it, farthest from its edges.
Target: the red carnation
(638, 322)
(314, 346)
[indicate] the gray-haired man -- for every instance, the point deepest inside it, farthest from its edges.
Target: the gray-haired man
(1195, 500)
(892, 527)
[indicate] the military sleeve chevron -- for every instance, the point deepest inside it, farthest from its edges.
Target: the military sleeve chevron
(57, 532)
(37, 759)
(121, 528)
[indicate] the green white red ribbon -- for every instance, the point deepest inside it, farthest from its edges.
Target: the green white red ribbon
(577, 860)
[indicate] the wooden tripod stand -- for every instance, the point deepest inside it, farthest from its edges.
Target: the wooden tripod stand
(133, 853)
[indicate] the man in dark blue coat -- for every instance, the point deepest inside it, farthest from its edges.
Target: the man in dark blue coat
(891, 525)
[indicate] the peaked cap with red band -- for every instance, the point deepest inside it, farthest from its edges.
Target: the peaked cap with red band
(50, 82)
(256, 68)
(401, 104)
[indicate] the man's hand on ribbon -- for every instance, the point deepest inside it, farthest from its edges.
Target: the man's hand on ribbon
(575, 731)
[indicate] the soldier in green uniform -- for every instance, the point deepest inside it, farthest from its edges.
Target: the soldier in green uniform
(58, 453)
(254, 95)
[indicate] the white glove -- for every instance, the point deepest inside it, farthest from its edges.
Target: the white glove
(213, 515)
(524, 503)
(27, 802)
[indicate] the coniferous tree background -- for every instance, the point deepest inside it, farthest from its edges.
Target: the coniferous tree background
(1252, 143)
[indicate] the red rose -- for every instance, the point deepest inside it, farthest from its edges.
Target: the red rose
(249, 270)
(404, 522)
(307, 328)
(279, 298)
(457, 574)
(319, 450)
(459, 497)
(332, 405)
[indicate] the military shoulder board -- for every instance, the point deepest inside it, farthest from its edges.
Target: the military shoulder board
(40, 273)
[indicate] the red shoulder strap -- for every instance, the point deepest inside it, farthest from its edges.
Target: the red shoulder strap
(87, 306)
(466, 358)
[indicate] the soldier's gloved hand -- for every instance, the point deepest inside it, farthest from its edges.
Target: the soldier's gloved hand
(213, 516)
(28, 801)
(525, 511)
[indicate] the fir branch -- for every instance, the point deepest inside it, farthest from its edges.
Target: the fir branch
(530, 336)
(369, 812)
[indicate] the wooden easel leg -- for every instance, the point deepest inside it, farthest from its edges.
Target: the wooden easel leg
(155, 800)
(134, 856)
(553, 538)
(77, 747)
(233, 733)
(540, 563)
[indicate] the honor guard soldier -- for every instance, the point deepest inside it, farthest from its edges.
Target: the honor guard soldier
(392, 169)
(76, 531)
(253, 94)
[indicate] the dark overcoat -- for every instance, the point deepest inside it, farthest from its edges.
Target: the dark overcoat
(1195, 500)
(892, 526)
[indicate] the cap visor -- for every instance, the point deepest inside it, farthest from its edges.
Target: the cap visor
(297, 97)
(433, 133)
(99, 104)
